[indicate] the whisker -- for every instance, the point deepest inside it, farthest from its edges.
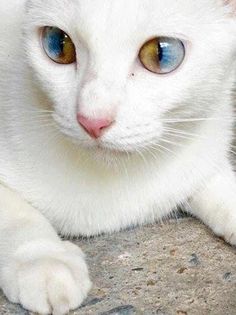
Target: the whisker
(182, 132)
(179, 120)
(173, 143)
(179, 136)
(154, 146)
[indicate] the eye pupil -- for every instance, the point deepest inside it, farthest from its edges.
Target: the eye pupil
(58, 46)
(159, 52)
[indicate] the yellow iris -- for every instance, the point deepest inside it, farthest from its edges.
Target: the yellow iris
(68, 54)
(149, 55)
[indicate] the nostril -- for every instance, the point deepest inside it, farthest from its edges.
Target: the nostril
(94, 127)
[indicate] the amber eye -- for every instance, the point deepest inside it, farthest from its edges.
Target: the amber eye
(58, 46)
(162, 55)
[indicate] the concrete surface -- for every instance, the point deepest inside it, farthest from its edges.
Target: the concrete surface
(176, 268)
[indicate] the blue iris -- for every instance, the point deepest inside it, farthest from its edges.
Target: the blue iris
(171, 53)
(53, 42)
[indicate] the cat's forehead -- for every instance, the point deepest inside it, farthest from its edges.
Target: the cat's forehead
(127, 21)
(98, 15)
(160, 9)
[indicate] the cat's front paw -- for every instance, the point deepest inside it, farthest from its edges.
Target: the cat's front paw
(229, 232)
(47, 279)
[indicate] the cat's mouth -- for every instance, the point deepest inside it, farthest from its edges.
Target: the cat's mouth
(95, 144)
(106, 148)
(99, 146)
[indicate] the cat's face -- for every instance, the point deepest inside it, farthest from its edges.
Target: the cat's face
(108, 81)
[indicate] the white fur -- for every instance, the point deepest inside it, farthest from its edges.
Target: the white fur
(138, 171)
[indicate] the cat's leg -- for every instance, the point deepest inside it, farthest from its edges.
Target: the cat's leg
(215, 205)
(37, 269)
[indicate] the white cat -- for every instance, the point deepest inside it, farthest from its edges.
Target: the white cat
(112, 113)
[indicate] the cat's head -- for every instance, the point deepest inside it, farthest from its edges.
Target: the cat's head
(117, 71)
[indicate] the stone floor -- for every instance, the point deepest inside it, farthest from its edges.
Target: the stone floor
(176, 268)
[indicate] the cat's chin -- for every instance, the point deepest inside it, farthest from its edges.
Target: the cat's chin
(109, 155)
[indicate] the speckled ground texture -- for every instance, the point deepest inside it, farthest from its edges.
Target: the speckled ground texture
(175, 268)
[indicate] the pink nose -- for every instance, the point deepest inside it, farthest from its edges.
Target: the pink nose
(94, 127)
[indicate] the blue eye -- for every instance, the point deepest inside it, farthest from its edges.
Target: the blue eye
(162, 54)
(58, 46)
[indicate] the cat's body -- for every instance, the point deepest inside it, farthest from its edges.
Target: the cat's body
(86, 191)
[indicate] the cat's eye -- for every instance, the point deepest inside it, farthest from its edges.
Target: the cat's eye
(162, 55)
(58, 46)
